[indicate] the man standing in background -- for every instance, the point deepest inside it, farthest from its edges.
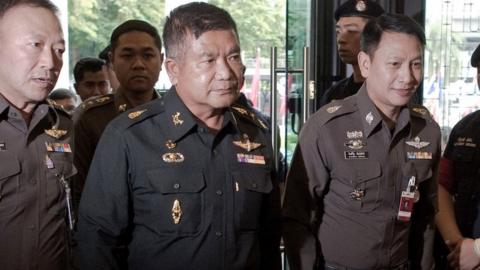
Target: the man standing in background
(351, 18)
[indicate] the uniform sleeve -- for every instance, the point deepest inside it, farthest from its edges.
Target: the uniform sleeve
(84, 147)
(302, 200)
(445, 177)
(105, 215)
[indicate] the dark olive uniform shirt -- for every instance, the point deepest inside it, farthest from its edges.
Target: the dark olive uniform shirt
(32, 199)
(179, 196)
(90, 121)
(344, 186)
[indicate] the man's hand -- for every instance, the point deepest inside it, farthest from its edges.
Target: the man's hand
(468, 259)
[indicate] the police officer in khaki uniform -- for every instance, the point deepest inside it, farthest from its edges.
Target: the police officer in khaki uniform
(35, 152)
(458, 217)
(351, 18)
(137, 59)
(187, 181)
(361, 191)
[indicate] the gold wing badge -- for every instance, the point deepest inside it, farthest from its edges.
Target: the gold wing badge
(176, 212)
(246, 144)
(55, 133)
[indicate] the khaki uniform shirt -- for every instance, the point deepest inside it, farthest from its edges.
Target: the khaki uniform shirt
(180, 197)
(90, 121)
(33, 158)
(344, 187)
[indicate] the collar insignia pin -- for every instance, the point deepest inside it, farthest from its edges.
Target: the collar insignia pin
(369, 118)
(176, 119)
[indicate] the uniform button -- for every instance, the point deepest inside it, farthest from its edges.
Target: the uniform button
(218, 234)
(219, 192)
(215, 152)
(254, 185)
(176, 186)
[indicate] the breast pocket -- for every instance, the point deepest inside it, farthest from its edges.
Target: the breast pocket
(177, 200)
(358, 187)
(251, 187)
(9, 184)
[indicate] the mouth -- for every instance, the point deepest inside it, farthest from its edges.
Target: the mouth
(404, 92)
(45, 81)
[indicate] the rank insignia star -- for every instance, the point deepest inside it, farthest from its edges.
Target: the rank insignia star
(122, 108)
(55, 133)
(417, 143)
(176, 119)
(135, 114)
(170, 144)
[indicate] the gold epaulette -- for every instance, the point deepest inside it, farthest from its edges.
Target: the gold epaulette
(96, 101)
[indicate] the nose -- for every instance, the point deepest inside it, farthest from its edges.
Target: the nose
(50, 59)
(224, 71)
(138, 63)
(341, 36)
(406, 74)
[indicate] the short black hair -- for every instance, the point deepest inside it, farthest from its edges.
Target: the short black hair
(104, 54)
(5, 5)
(392, 23)
(62, 93)
(87, 64)
(194, 19)
(134, 25)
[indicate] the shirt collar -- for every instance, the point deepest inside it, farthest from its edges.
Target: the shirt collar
(180, 120)
(371, 117)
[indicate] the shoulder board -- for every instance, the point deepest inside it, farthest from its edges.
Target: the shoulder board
(420, 111)
(140, 113)
(248, 114)
(335, 109)
(52, 104)
(96, 101)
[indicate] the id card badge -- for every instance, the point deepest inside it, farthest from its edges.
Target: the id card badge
(405, 208)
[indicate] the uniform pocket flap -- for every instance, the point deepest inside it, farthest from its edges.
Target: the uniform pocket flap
(10, 166)
(368, 171)
(176, 180)
(259, 181)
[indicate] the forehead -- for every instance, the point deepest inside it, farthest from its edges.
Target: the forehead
(23, 20)
(100, 75)
(215, 40)
(136, 39)
(399, 44)
(354, 21)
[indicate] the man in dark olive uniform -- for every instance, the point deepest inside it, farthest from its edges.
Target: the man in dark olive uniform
(35, 151)
(351, 18)
(137, 59)
(458, 218)
(187, 181)
(361, 190)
